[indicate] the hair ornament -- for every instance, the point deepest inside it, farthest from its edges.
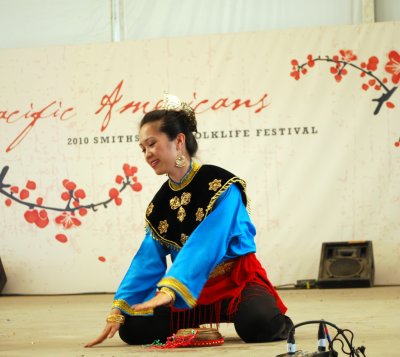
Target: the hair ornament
(172, 102)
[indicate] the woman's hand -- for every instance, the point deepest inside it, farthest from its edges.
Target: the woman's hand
(160, 299)
(108, 332)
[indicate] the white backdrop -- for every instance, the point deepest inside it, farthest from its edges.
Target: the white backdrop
(320, 165)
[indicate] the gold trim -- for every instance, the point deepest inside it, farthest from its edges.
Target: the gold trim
(125, 307)
(222, 190)
(188, 179)
(178, 287)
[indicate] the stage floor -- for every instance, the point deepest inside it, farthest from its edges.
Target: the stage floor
(60, 325)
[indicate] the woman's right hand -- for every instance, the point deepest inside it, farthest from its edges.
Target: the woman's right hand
(108, 332)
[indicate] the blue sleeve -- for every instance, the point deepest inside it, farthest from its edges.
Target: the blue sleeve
(227, 232)
(140, 282)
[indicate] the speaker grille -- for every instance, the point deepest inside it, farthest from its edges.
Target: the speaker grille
(344, 268)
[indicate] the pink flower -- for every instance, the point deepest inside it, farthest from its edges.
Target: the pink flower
(68, 220)
(393, 66)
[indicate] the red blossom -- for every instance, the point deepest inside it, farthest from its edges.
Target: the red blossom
(31, 215)
(70, 186)
(39, 201)
(24, 194)
(8, 202)
(82, 211)
(102, 259)
(390, 105)
(30, 185)
(80, 193)
(39, 218)
(119, 179)
(68, 220)
(295, 75)
(65, 196)
(42, 219)
(62, 238)
(129, 170)
(113, 193)
(393, 66)
(137, 186)
(14, 189)
(348, 55)
(372, 63)
(338, 78)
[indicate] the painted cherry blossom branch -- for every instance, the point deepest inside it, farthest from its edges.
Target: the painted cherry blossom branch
(366, 69)
(37, 211)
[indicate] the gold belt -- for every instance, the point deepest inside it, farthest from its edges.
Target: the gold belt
(223, 268)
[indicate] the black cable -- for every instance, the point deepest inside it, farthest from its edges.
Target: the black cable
(340, 334)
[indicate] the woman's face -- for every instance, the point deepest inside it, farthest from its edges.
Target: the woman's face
(159, 152)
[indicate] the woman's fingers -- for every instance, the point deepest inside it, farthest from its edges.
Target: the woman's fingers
(158, 300)
(109, 331)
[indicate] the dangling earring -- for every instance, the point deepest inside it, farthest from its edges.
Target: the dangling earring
(180, 161)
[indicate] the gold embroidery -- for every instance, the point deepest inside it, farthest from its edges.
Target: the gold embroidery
(176, 202)
(163, 227)
(125, 307)
(185, 198)
(149, 209)
(199, 214)
(181, 214)
(182, 290)
(158, 237)
(184, 238)
(222, 268)
(214, 185)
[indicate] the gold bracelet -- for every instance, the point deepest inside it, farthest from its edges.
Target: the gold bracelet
(118, 318)
(169, 292)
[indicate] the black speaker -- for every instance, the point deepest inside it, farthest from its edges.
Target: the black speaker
(346, 265)
(3, 278)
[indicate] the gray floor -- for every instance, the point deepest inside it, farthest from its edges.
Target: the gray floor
(60, 325)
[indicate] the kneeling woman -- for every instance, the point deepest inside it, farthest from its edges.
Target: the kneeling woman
(199, 218)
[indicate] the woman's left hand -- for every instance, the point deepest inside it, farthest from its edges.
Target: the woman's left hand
(158, 300)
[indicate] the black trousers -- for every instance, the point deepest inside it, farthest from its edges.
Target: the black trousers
(257, 319)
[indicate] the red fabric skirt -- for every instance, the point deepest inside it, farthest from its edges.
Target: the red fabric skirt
(229, 286)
